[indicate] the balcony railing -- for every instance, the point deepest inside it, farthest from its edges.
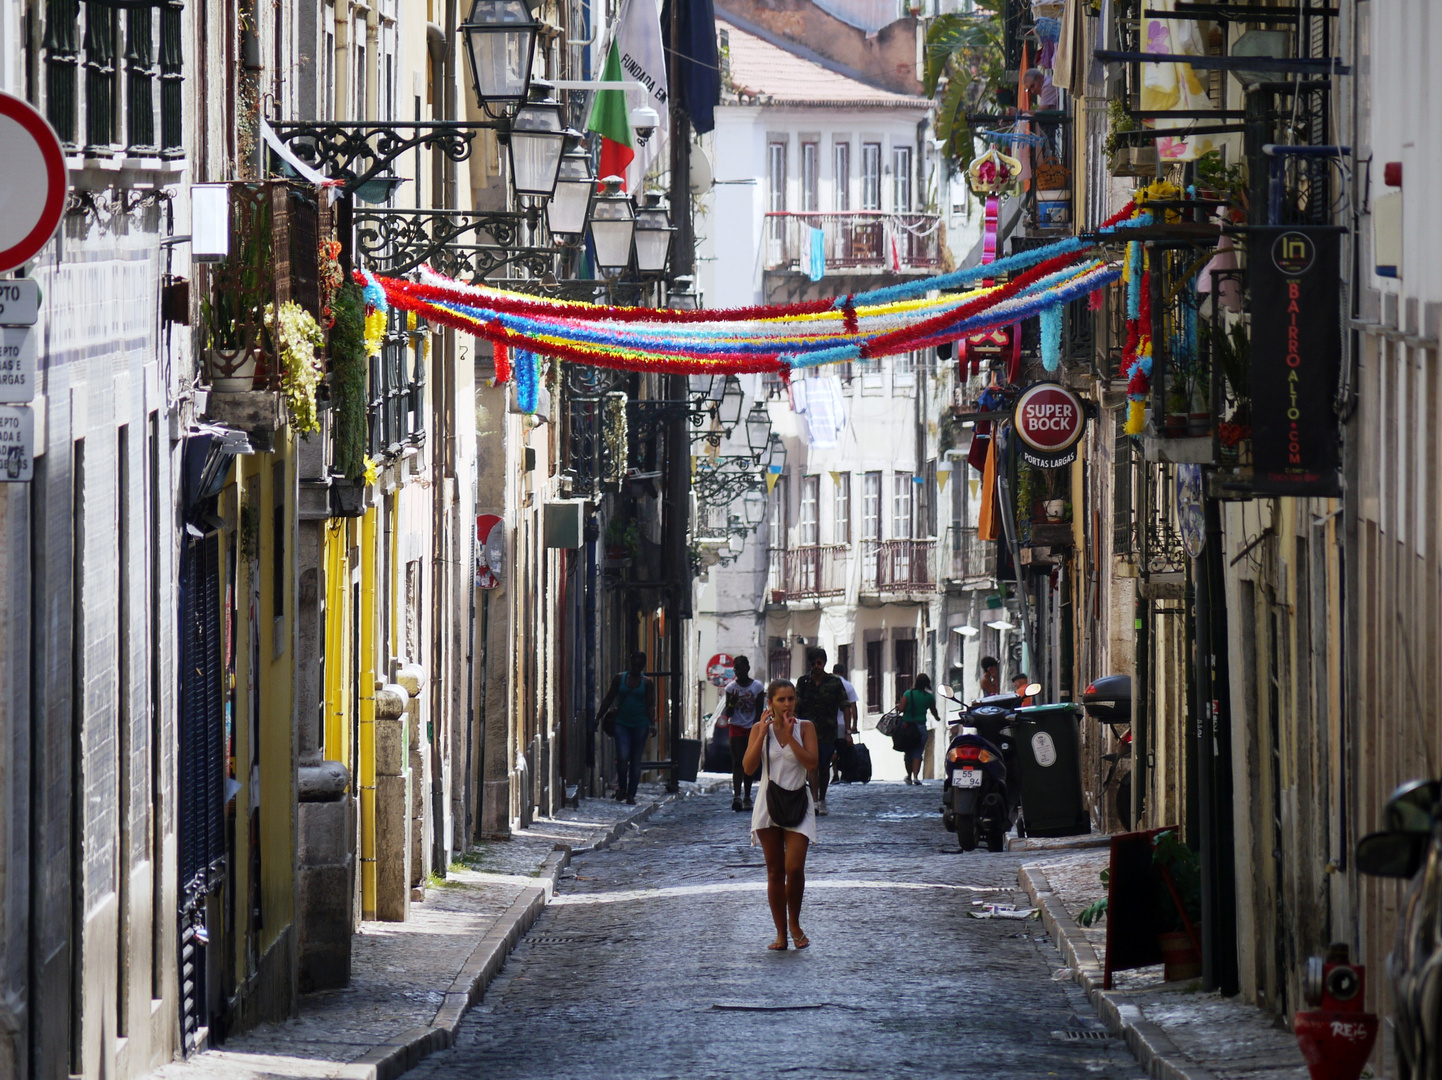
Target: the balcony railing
(864, 241)
(964, 557)
(897, 566)
(807, 573)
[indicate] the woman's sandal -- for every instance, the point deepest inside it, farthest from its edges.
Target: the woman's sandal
(779, 945)
(801, 940)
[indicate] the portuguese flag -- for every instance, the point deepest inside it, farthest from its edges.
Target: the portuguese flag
(611, 119)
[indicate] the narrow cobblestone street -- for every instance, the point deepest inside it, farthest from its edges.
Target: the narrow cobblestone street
(651, 962)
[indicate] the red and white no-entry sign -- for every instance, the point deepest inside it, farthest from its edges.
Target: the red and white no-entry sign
(33, 182)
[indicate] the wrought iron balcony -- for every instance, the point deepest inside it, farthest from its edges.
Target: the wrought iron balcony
(857, 241)
(965, 559)
(807, 573)
(897, 566)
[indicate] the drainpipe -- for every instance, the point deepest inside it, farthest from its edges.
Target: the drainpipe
(367, 781)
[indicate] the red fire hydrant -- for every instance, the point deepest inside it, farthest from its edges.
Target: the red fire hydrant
(1336, 1038)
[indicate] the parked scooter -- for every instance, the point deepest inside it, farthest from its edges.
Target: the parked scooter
(981, 799)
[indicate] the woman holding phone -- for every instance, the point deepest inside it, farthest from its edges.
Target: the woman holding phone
(783, 820)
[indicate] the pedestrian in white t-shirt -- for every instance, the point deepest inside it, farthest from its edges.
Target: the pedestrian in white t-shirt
(745, 700)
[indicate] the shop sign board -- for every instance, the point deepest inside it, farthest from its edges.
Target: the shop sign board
(1296, 351)
(1049, 420)
(17, 444)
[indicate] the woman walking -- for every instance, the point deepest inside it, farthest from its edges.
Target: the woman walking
(783, 821)
(635, 698)
(913, 707)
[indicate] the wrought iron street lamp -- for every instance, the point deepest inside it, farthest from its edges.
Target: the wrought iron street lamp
(776, 455)
(653, 236)
(728, 410)
(570, 206)
(758, 431)
(753, 507)
(681, 296)
(501, 40)
(537, 138)
(613, 228)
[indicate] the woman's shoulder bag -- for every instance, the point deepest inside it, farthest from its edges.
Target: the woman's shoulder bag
(785, 806)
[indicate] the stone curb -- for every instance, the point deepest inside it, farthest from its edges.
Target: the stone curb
(404, 1050)
(1153, 1049)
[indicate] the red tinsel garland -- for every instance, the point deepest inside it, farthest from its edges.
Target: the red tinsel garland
(502, 359)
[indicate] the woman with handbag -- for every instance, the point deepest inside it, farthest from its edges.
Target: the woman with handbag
(783, 821)
(910, 739)
(630, 723)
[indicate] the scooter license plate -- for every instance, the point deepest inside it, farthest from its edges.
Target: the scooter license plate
(966, 778)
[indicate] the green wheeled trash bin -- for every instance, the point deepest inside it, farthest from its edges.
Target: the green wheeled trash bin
(1049, 753)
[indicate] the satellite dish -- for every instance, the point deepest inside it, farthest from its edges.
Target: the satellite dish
(701, 174)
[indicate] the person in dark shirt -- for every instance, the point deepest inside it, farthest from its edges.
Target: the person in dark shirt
(820, 698)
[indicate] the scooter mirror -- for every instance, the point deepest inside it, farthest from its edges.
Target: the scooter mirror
(946, 691)
(1391, 854)
(1033, 689)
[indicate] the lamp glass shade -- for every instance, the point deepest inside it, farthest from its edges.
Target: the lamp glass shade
(728, 412)
(758, 429)
(570, 204)
(500, 37)
(613, 227)
(653, 239)
(753, 505)
(537, 139)
(776, 453)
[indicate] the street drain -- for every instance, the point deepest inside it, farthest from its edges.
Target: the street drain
(1081, 1036)
(551, 940)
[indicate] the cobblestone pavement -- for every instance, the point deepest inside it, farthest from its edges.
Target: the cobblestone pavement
(651, 962)
(400, 971)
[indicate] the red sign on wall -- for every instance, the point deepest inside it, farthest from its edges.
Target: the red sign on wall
(1049, 420)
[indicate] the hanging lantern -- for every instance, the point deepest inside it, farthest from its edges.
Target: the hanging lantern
(500, 38)
(570, 205)
(613, 227)
(537, 138)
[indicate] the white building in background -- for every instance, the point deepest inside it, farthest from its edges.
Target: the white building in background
(826, 185)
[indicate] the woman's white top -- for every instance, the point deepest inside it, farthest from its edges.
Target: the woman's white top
(779, 764)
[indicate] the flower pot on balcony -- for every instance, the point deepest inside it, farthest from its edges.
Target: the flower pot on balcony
(1054, 509)
(231, 371)
(778, 596)
(1134, 161)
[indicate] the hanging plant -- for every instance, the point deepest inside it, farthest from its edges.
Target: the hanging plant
(348, 381)
(297, 336)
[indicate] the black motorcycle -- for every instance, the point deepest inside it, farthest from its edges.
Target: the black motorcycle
(981, 799)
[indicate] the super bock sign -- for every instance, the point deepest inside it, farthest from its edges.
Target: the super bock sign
(1049, 421)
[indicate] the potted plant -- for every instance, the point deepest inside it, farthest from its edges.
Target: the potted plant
(1125, 159)
(233, 313)
(1181, 873)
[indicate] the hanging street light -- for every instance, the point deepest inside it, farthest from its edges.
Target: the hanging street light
(758, 431)
(537, 139)
(613, 227)
(753, 507)
(728, 410)
(570, 205)
(653, 236)
(500, 37)
(776, 455)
